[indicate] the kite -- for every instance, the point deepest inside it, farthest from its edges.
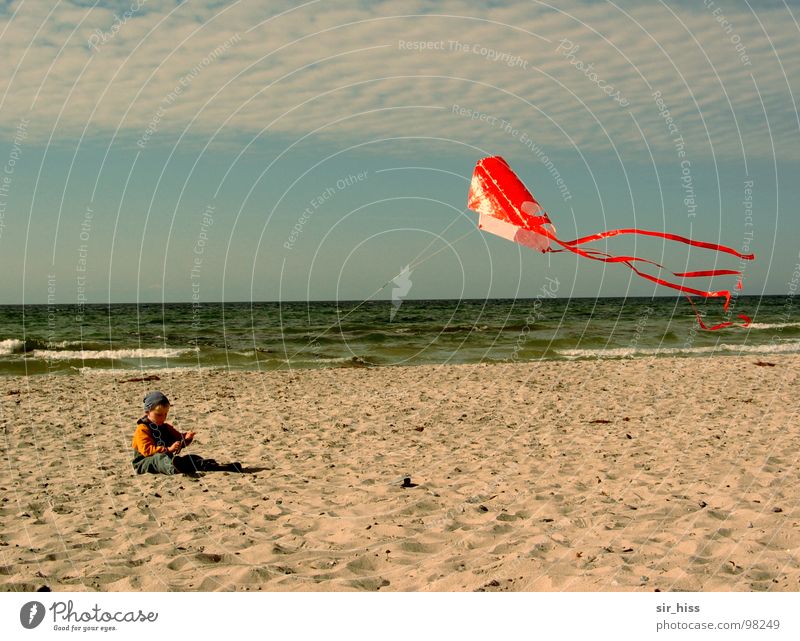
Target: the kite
(507, 209)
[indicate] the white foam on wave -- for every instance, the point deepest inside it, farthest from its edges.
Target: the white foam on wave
(11, 346)
(630, 352)
(300, 361)
(63, 344)
(337, 360)
(133, 372)
(772, 325)
(107, 354)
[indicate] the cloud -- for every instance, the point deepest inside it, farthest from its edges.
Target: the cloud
(574, 75)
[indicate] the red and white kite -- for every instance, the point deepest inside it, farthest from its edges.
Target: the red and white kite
(508, 210)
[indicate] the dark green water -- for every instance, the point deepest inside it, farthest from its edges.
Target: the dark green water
(41, 339)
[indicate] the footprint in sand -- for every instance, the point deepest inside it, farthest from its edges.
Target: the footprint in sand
(179, 563)
(206, 558)
(363, 565)
(418, 547)
(370, 584)
(158, 539)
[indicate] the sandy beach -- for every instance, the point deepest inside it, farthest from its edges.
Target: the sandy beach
(604, 475)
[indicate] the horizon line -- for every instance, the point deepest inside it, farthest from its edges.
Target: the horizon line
(364, 301)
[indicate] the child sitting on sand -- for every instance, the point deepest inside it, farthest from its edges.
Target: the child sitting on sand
(156, 444)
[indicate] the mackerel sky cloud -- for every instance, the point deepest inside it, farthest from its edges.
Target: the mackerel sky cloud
(616, 114)
(727, 73)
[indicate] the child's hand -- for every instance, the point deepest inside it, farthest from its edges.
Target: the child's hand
(174, 448)
(188, 437)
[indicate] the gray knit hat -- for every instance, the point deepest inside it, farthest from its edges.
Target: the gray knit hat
(153, 399)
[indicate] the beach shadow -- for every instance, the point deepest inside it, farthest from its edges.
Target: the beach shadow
(194, 465)
(237, 470)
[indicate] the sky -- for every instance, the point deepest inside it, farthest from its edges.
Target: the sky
(163, 151)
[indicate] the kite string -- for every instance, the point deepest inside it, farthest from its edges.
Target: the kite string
(441, 249)
(415, 263)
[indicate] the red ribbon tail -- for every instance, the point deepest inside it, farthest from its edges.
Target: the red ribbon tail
(572, 246)
(747, 320)
(660, 234)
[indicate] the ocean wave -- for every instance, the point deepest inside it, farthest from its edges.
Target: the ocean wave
(772, 325)
(11, 346)
(341, 361)
(630, 352)
(135, 371)
(108, 354)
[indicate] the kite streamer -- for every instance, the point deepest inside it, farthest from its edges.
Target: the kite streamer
(507, 209)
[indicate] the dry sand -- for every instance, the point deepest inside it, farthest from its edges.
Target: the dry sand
(617, 475)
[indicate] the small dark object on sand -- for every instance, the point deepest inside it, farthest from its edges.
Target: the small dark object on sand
(142, 379)
(765, 364)
(600, 420)
(407, 482)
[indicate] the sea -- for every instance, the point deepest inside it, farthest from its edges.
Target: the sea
(65, 339)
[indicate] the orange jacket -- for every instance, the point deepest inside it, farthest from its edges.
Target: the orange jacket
(149, 438)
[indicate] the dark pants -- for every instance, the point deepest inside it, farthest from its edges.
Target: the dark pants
(167, 464)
